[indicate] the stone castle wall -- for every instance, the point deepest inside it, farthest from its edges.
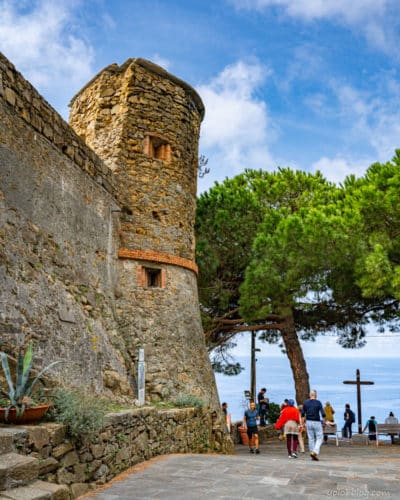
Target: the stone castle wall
(65, 216)
(59, 226)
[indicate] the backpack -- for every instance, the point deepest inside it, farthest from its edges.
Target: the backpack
(352, 417)
(371, 426)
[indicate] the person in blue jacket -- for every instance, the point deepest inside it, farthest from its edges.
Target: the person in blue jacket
(349, 419)
(250, 422)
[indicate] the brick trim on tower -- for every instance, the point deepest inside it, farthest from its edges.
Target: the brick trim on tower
(162, 258)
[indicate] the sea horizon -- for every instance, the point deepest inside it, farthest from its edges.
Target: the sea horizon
(326, 376)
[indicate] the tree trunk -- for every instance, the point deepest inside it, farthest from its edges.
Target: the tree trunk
(296, 358)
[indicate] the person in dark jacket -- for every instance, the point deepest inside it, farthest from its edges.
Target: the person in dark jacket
(349, 419)
(313, 415)
(263, 405)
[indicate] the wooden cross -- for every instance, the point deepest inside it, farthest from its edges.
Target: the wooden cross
(359, 383)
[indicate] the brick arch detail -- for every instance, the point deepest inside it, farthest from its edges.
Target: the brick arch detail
(162, 258)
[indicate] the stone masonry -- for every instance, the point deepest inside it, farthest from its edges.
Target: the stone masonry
(127, 438)
(97, 245)
(58, 244)
(144, 123)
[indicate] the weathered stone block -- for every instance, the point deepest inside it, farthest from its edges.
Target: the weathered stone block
(38, 437)
(70, 458)
(57, 433)
(80, 472)
(62, 449)
(79, 489)
(6, 443)
(107, 92)
(123, 455)
(24, 113)
(97, 450)
(16, 470)
(48, 465)
(85, 457)
(10, 96)
(107, 435)
(101, 472)
(57, 491)
(25, 493)
(45, 452)
(64, 476)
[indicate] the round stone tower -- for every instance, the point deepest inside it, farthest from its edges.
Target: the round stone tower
(144, 123)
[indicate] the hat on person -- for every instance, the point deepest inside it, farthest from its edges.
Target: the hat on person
(290, 402)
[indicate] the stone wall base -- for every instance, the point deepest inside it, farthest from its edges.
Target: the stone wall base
(127, 438)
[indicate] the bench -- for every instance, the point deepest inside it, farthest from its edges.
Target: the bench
(331, 430)
(384, 429)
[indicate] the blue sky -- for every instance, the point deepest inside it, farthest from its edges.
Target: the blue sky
(310, 84)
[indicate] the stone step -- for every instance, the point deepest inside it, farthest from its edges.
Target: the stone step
(39, 490)
(10, 436)
(6, 443)
(17, 470)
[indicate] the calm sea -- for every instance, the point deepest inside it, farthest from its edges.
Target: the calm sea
(326, 376)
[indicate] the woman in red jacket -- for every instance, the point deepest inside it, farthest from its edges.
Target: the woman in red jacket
(289, 420)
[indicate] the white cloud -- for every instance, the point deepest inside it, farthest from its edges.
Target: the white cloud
(373, 116)
(369, 119)
(237, 129)
(43, 42)
(373, 18)
(350, 11)
(338, 168)
(378, 346)
(161, 61)
(307, 63)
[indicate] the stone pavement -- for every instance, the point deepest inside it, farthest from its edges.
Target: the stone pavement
(347, 471)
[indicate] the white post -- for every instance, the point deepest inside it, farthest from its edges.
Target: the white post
(141, 377)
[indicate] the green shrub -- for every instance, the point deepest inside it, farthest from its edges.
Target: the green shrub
(83, 414)
(274, 411)
(188, 401)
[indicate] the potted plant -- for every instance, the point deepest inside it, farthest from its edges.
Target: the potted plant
(19, 408)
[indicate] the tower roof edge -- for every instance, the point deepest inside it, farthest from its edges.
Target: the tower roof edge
(154, 68)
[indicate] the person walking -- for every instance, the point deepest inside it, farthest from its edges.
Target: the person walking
(301, 432)
(289, 420)
(250, 422)
(312, 414)
(349, 419)
(263, 405)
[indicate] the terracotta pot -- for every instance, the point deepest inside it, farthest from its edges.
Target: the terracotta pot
(30, 415)
(244, 437)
